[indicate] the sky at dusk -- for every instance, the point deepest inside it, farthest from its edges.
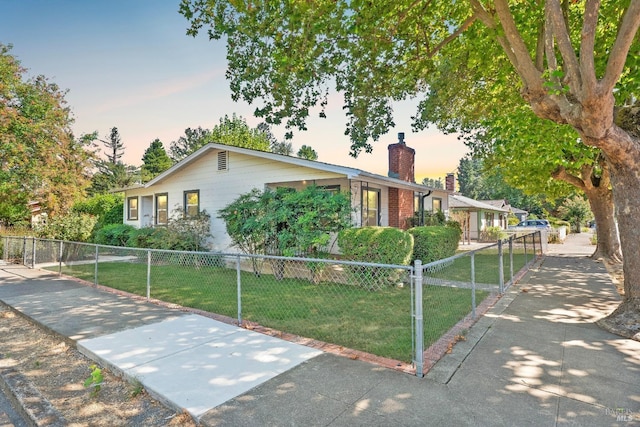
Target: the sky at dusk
(130, 64)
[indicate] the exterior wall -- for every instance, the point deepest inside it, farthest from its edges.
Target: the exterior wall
(219, 188)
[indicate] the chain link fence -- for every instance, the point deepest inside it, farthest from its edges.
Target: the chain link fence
(390, 311)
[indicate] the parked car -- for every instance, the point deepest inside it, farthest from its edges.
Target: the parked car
(534, 223)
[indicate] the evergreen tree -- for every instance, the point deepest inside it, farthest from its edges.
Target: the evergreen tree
(115, 147)
(155, 161)
(306, 152)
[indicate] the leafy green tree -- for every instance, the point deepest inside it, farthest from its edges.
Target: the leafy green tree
(190, 142)
(232, 130)
(576, 210)
(570, 60)
(481, 183)
(526, 150)
(285, 221)
(279, 147)
(154, 161)
(244, 220)
(235, 131)
(40, 160)
(306, 152)
(107, 208)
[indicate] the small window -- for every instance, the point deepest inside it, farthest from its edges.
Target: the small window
(132, 208)
(437, 204)
(223, 157)
(162, 212)
(191, 203)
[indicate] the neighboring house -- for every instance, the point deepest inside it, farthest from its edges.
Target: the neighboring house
(217, 174)
(505, 206)
(519, 213)
(38, 216)
(502, 203)
(475, 216)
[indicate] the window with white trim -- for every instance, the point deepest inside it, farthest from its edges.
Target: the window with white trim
(162, 209)
(132, 208)
(191, 203)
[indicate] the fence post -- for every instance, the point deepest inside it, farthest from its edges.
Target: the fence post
(419, 356)
(33, 253)
(24, 251)
(5, 249)
(148, 275)
(60, 248)
(473, 284)
(511, 258)
(239, 285)
(95, 273)
(526, 258)
(500, 266)
(536, 235)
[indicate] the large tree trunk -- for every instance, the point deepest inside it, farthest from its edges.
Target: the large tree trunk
(588, 106)
(608, 245)
(625, 320)
(597, 188)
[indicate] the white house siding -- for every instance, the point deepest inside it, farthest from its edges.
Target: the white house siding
(219, 188)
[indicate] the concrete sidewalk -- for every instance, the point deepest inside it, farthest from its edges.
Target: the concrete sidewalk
(535, 358)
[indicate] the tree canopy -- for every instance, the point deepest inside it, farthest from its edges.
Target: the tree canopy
(40, 159)
(232, 130)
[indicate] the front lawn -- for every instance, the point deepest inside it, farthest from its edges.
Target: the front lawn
(377, 322)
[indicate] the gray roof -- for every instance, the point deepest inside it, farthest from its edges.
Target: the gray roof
(350, 173)
(460, 202)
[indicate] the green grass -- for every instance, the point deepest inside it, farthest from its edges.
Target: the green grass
(486, 268)
(378, 322)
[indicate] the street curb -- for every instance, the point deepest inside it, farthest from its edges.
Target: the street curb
(28, 401)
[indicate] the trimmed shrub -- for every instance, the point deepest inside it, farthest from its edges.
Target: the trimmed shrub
(434, 242)
(381, 245)
(114, 234)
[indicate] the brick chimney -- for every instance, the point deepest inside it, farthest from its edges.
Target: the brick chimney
(450, 182)
(401, 166)
(401, 160)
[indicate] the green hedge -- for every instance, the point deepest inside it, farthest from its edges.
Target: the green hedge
(432, 243)
(381, 245)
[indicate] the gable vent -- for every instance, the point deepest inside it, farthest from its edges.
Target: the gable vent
(223, 157)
